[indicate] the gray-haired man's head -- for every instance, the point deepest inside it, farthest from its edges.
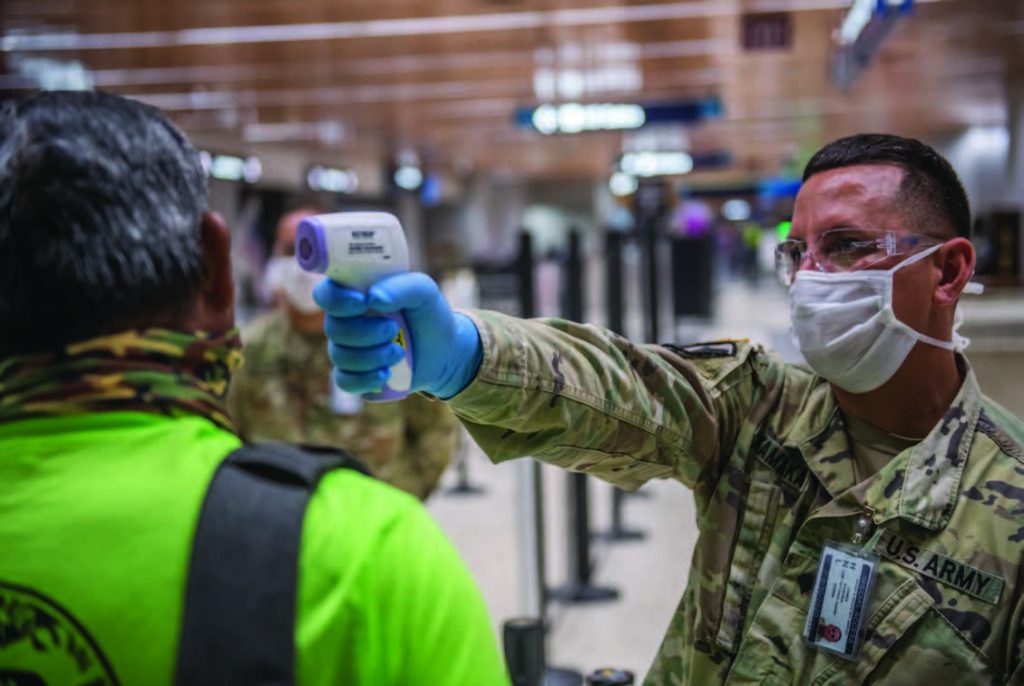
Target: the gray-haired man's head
(102, 224)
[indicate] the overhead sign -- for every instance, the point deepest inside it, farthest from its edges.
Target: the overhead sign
(865, 27)
(684, 111)
(577, 117)
(574, 117)
(771, 31)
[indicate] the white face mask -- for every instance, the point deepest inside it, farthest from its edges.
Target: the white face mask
(844, 325)
(284, 275)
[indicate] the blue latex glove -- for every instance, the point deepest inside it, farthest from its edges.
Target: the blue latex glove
(446, 345)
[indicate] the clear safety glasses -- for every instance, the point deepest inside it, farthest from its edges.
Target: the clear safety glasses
(845, 250)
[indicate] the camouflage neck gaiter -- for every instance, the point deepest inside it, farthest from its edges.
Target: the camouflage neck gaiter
(157, 370)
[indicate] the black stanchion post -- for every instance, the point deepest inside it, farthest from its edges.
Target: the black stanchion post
(650, 210)
(553, 676)
(618, 530)
(524, 651)
(525, 267)
(528, 308)
(616, 322)
(650, 238)
(579, 588)
(613, 242)
(693, 262)
(610, 677)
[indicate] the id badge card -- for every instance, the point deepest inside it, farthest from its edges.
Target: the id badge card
(839, 602)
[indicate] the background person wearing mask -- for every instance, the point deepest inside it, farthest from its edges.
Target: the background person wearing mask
(886, 444)
(284, 391)
(116, 346)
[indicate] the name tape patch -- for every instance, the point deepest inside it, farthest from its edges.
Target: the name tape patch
(789, 467)
(960, 575)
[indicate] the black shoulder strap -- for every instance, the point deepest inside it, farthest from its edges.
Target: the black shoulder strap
(238, 625)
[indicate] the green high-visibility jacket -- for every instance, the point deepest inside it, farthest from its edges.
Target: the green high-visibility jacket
(97, 517)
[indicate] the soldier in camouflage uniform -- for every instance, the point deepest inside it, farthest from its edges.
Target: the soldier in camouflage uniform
(284, 392)
(922, 470)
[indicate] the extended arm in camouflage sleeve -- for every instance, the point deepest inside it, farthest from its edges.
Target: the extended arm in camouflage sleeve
(431, 437)
(586, 399)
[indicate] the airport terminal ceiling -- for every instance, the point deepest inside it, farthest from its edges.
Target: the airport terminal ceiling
(446, 78)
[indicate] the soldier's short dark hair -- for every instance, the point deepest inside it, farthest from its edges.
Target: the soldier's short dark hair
(930, 195)
(101, 203)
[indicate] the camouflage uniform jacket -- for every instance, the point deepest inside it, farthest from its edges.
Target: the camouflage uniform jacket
(283, 392)
(763, 446)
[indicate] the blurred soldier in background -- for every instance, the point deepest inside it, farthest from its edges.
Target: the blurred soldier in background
(284, 391)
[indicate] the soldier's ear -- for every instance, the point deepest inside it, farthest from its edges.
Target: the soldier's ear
(955, 260)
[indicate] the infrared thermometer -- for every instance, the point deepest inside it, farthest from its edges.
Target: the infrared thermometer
(356, 250)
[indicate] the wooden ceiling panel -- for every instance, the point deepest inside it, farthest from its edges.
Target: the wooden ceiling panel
(446, 76)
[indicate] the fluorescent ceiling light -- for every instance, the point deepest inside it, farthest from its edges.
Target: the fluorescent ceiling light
(573, 84)
(856, 20)
(736, 210)
(231, 167)
(348, 95)
(336, 96)
(332, 180)
(403, 64)
(656, 163)
(329, 132)
(50, 75)
(622, 184)
(282, 131)
(808, 5)
(21, 41)
(461, 109)
(408, 177)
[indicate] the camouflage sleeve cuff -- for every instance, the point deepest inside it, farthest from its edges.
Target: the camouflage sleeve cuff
(486, 345)
(470, 395)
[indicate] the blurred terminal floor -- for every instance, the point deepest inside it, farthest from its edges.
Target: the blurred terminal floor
(651, 574)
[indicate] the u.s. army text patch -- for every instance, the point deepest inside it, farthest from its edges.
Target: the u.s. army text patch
(960, 575)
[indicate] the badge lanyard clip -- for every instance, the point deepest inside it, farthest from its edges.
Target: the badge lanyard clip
(864, 528)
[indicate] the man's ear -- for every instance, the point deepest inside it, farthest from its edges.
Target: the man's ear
(218, 293)
(955, 260)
